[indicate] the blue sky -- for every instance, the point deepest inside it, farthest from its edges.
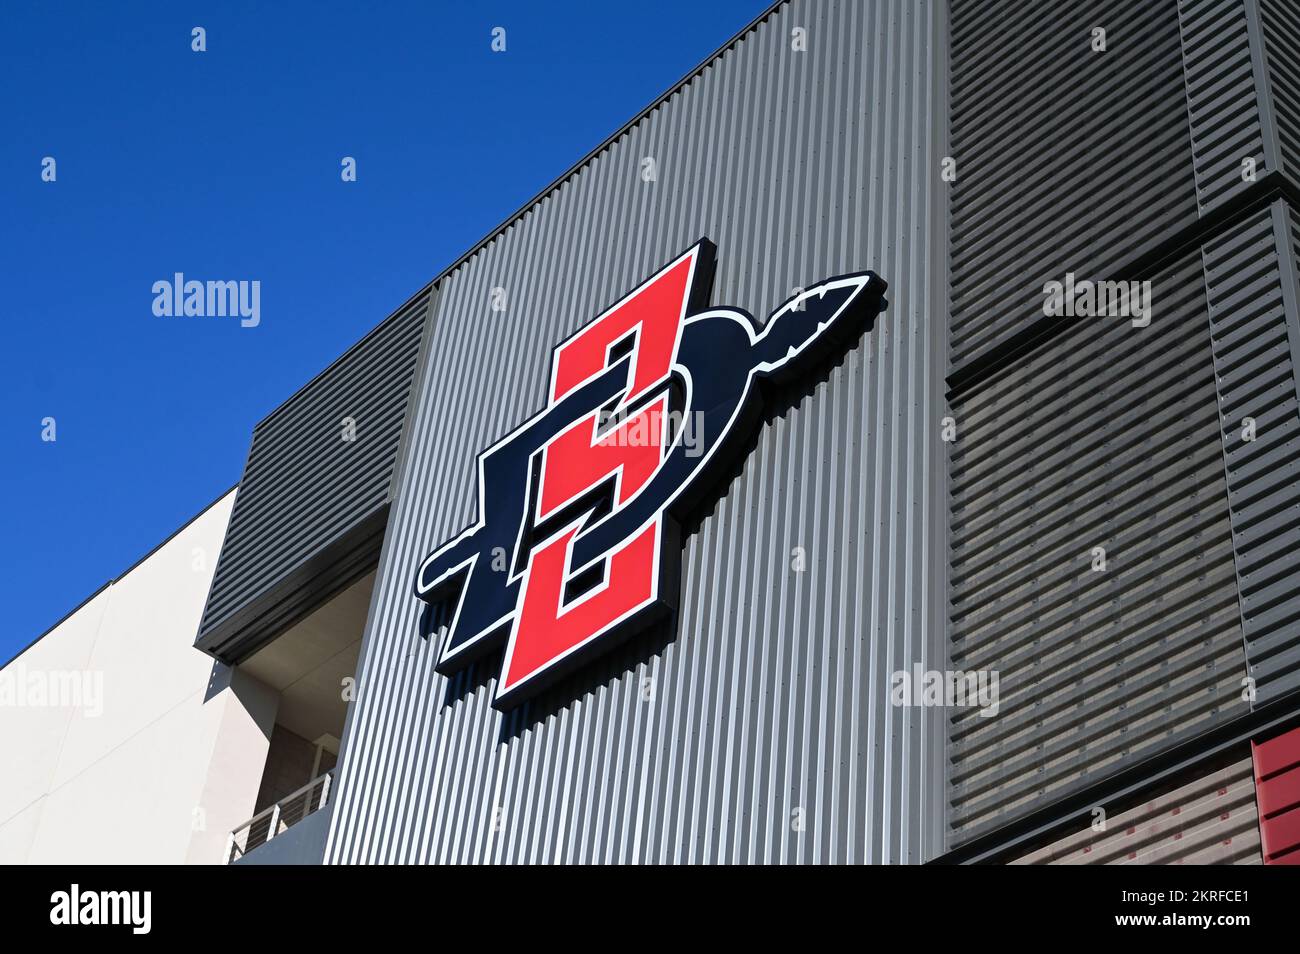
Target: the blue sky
(225, 165)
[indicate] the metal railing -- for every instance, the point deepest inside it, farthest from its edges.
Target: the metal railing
(288, 811)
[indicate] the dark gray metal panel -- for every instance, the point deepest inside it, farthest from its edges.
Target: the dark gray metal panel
(1254, 349)
(1067, 159)
(1106, 436)
(1222, 99)
(770, 696)
(1280, 27)
(1046, 154)
(310, 513)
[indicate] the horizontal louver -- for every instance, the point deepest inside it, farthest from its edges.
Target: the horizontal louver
(1253, 359)
(1103, 444)
(1066, 159)
(309, 515)
(1208, 819)
(1280, 23)
(1223, 108)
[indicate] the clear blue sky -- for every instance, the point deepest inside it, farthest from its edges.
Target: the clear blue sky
(225, 165)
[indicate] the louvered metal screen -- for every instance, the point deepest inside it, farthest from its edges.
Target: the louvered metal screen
(1103, 444)
(309, 516)
(1209, 818)
(1067, 159)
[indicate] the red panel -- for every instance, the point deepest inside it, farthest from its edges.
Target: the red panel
(655, 310)
(1277, 790)
(1279, 793)
(1281, 834)
(1277, 754)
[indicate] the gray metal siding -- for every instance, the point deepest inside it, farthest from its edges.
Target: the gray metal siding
(1067, 160)
(1222, 98)
(1087, 432)
(770, 695)
(311, 507)
(1106, 436)
(1254, 348)
(1280, 28)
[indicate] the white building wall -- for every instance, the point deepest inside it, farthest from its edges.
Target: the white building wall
(160, 755)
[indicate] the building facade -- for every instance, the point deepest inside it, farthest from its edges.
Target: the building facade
(120, 743)
(998, 567)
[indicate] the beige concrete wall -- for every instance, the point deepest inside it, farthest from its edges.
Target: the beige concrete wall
(158, 756)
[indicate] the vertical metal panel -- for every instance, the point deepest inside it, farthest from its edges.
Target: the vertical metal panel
(310, 512)
(1254, 348)
(1106, 436)
(1067, 159)
(1210, 819)
(770, 695)
(1222, 99)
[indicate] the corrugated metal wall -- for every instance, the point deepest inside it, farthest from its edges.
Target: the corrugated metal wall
(1210, 819)
(1280, 27)
(1076, 433)
(1107, 436)
(764, 732)
(311, 508)
(1255, 344)
(1222, 98)
(1067, 159)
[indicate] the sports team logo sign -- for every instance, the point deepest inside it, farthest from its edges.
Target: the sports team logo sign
(577, 545)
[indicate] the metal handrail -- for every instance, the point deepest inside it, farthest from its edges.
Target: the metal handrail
(274, 815)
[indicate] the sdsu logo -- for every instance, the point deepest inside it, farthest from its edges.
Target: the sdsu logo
(577, 544)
